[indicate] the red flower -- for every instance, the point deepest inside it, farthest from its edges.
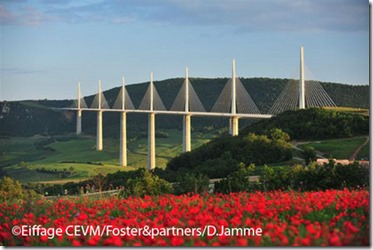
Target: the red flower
(44, 238)
(75, 243)
(177, 241)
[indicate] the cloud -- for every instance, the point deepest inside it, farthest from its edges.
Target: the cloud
(275, 15)
(25, 16)
(20, 71)
(243, 15)
(6, 16)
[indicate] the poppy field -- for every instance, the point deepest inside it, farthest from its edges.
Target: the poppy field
(277, 218)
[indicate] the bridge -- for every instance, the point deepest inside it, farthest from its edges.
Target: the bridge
(234, 102)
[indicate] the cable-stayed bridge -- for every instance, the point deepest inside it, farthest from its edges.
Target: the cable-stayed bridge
(234, 102)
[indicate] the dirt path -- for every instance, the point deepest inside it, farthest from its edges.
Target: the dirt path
(295, 146)
(357, 151)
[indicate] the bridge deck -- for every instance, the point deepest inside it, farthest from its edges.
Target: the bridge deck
(166, 112)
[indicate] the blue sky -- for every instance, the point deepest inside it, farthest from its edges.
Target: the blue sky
(47, 46)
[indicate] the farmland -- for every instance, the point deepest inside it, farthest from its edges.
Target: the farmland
(339, 148)
(23, 158)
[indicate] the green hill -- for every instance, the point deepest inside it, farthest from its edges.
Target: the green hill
(314, 123)
(267, 141)
(26, 118)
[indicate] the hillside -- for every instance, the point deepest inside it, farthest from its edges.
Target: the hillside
(267, 141)
(26, 118)
(315, 124)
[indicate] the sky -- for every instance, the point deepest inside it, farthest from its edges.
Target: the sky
(48, 46)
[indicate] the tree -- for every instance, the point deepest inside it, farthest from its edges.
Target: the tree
(11, 191)
(237, 181)
(278, 134)
(192, 183)
(147, 184)
(309, 155)
(99, 181)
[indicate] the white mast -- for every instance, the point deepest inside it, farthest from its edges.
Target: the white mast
(301, 82)
(123, 130)
(187, 117)
(99, 144)
(233, 123)
(79, 113)
(151, 129)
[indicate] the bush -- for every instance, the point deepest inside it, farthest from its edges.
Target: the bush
(314, 123)
(11, 191)
(315, 177)
(192, 183)
(222, 156)
(237, 181)
(309, 155)
(146, 184)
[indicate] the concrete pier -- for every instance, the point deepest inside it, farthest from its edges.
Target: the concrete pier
(79, 122)
(123, 129)
(187, 133)
(123, 140)
(151, 141)
(186, 118)
(151, 128)
(99, 141)
(234, 124)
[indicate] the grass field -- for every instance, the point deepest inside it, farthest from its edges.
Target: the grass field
(340, 148)
(349, 110)
(20, 157)
(364, 153)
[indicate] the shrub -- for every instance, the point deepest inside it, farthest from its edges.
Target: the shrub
(11, 191)
(192, 183)
(237, 181)
(146, 184)
(222, 156)
(309, 154)
(315, 177)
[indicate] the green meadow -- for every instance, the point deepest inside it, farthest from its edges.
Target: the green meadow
(24, 160)
(340, 148)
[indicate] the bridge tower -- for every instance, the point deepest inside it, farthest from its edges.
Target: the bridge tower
(79, 113)
(233, 122)
(187, 102)
(151, 103)
(99, 140)
(123, 129)
(122, 104)
(151, 127)
(187, 117)
(302, 103)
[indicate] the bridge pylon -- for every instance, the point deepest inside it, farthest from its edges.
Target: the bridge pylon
(233, 122)
(100, 105)
(123, 129)
(79, 104)
(302, 102)
(79, 113)
(99, 136)
(151, 127)
(301, 94)
(187, 118)
(188, 102)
